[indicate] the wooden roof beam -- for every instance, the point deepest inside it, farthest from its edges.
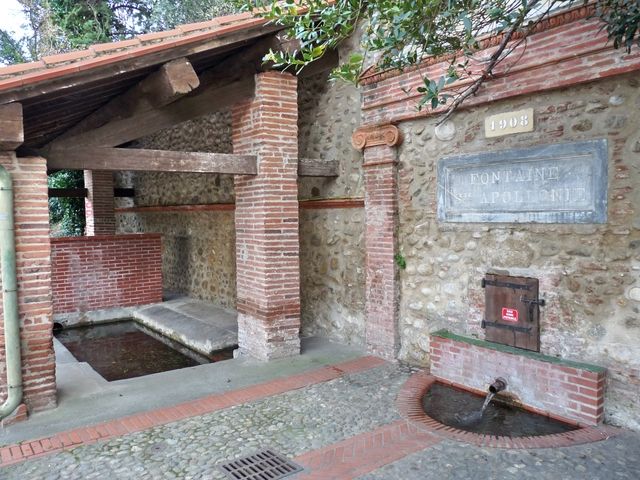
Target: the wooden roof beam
(187, 108)
(312, 167)
(172, 81)
(11, 130)
(133, 159)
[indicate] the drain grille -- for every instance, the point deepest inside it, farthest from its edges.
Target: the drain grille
(263, 465)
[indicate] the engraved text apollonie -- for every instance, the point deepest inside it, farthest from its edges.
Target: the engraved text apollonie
(563, 183)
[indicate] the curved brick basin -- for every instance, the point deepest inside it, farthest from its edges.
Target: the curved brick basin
(410, 405)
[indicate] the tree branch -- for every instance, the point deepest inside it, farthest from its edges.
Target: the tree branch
(495, 58)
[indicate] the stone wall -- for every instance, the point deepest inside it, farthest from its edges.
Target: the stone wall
(198, 246)
(331, 240)
(332, 273)
(589, 274)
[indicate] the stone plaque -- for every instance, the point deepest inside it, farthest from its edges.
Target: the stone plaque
(508, 123)
(562, 183)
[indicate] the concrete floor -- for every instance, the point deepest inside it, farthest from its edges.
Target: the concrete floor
(84, 397)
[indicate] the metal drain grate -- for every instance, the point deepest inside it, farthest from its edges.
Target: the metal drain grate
(263, 465)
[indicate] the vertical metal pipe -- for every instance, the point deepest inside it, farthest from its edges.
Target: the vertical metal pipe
(9, 296)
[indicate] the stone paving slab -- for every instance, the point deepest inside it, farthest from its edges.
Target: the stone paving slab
(199, 325)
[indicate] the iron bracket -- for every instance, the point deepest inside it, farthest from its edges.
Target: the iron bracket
(515, 328)
(495, 283)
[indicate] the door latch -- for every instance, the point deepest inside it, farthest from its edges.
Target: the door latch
(532, 303)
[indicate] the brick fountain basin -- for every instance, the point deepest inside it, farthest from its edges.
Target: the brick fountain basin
(564, 391)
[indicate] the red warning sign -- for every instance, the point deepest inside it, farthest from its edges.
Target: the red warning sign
(509, 314)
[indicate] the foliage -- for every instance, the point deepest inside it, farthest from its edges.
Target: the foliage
(622, 20)
(397, 34)
(87, 22)
(11, 49)
(400, 260)
(67, 214)
(61, 25)
(166, 14)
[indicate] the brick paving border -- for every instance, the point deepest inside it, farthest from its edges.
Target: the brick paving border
(67, 440)
(409, 404)
(361, 454)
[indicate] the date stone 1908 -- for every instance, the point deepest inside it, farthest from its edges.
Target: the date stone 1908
(561, 183)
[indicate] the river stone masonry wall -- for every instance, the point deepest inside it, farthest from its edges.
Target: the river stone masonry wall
(198, 256)
(331, 240)
(589, 274)
(199, 247)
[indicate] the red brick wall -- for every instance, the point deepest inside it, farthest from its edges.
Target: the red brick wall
(571, 49)
(564, 391)
(33, 250)
(267, 244)
(381, 212)
(93, 273)
(99, 206)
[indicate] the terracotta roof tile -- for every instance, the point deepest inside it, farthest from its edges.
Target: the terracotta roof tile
(103, 60)
(148, 37)
(55, 66)
(11, 82)
(106, 47)
(21, 67)
(190, 27)
(67, 57)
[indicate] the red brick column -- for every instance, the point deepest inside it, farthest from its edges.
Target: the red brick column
(381, 216)
(267, 245)
(33, 264)
(98, 206)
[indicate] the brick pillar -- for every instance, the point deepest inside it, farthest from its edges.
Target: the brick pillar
(381, 217)
(31, 209)
(33, 268)
(98, 206)
(266, 217)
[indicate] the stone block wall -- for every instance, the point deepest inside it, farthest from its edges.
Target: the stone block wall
(563, 389)
(107, 271)
(332, 273)
(31, 210)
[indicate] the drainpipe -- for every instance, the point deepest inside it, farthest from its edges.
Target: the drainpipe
(9, 297)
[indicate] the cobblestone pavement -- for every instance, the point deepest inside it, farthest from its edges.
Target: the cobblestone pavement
(615, 458)
(307, 419)
(291, 423)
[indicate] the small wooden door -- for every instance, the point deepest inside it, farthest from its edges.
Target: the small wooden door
(512, 313)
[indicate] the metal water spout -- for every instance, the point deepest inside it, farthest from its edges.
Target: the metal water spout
(498, 385)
